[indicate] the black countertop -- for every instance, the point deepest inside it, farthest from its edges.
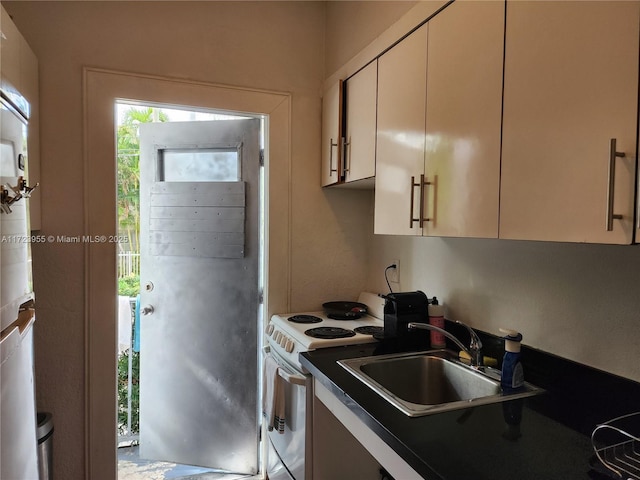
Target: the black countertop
(542, 437)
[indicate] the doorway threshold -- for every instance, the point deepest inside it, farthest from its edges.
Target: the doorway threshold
(132, 467)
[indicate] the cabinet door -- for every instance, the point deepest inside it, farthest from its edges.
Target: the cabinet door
(464, 112)
(571, 85)
(400, 135)
(360, 139)
(331, 134)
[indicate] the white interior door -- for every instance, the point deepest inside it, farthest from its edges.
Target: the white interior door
(199, 186)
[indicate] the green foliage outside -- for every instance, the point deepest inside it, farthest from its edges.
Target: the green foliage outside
(123, 387)
(128, 153)
(129, 286)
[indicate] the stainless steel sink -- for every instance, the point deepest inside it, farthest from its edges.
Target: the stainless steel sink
(430, 382)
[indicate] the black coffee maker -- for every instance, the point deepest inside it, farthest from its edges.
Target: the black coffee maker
(402, 308)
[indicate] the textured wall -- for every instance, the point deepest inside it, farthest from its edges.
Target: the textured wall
(264, 45)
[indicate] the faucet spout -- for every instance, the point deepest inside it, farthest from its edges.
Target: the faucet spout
(475, 344)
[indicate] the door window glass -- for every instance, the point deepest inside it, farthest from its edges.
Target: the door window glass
(199, 165)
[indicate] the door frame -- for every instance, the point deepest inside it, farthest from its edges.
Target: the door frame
(101, 89)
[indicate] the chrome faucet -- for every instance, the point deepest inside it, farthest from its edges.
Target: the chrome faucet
(475, 344)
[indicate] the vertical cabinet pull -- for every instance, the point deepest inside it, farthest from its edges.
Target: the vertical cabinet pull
(613, 155)
(413, 186)
(347, 158)
(423, 184)
(331, 145)
(421, 218)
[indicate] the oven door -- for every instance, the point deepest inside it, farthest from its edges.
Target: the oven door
(275, 468)
(292, 449)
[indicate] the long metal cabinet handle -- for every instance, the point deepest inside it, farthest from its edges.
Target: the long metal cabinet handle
(421, 218)
(347, 158)
(413, 186)
(613, 154)
(331, 145)
(423, 183)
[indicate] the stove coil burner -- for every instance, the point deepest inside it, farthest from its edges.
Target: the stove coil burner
(369, 330)
(304, 319)
(329, 332)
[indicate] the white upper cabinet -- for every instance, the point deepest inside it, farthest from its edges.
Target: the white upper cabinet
(331, 135)
(359, 160)
(439, 126)
(463, 126)
(570, 87)
(400, 143)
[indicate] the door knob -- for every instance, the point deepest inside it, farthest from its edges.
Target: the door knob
(147, 310)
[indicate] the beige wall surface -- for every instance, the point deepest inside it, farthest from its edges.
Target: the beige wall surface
(263, 45)
(352, 25)
(577, 301)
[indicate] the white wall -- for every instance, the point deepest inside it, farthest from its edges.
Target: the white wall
(578, 301)
(575, 300)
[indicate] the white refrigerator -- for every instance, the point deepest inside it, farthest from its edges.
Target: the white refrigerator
(18, 438)
(18, 435)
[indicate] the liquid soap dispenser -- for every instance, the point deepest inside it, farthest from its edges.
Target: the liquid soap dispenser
(436, 318)
(512, 374)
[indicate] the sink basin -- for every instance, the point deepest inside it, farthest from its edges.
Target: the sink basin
(430, 382)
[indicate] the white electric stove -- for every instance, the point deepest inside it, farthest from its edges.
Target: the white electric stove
(292, 333)
(289, 454)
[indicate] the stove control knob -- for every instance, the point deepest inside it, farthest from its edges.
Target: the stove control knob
(283, 341)
(269, 329)
(289, 346)
(276, 336)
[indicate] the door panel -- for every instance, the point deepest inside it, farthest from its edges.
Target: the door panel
(361, 103)
(567, 93)
(464, 112)
(402, 91)
(199, 237)
(331, 135)
(199, 272)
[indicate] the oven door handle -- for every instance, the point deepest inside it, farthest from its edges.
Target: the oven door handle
(291, 378)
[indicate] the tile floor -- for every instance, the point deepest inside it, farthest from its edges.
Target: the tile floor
(132, 467)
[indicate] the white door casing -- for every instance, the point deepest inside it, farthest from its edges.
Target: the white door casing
(102, 88)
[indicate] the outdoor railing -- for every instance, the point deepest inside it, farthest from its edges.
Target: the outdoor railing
(128, 264)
